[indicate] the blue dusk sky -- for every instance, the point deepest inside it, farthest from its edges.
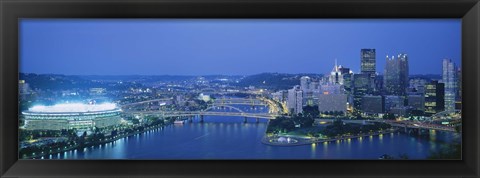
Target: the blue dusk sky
(230, 46)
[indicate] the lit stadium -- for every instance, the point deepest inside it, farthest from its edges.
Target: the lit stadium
(71, 116)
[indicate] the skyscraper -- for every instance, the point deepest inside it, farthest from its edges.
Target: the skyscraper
(361, 87)
(459, 84)
(295, 99)
(368, 62)
(396, 75)
(343, 76)
(449, 77)
(305, 83)
(338, 71)
(434, 97)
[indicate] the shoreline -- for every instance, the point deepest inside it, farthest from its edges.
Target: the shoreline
(303, 141)
(94, 144)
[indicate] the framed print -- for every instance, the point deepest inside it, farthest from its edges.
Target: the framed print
(276, 88)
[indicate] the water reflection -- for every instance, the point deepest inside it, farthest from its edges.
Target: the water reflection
(229, 138)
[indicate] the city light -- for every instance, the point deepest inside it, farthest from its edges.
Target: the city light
(72, 107)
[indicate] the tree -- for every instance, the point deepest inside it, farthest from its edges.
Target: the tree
(389, 116)
(311, 111)
(280, 124)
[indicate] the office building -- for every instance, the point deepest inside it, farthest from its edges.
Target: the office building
(295, 100)
(416, 102)
(332, 102)
(396, 75)
(449, 78)
(361, 87)
(368, 62)
(372, 104)
(393, 101)
(418, 85)
(434, 97)
(305, 83)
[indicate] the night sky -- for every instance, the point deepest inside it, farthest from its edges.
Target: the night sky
(232, 47)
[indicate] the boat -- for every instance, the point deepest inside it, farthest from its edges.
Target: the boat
(179, 122)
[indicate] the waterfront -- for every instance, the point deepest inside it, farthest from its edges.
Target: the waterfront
(221, 137)
(324, 100)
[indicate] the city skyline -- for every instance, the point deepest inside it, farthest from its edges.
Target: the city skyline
(291, 46)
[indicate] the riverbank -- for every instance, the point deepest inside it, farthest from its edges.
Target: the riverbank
(219, 138)
(298, 140)
(78, 147)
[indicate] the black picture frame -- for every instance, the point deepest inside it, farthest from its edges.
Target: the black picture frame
(12, 10)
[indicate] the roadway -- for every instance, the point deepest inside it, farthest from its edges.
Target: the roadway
(204, 113)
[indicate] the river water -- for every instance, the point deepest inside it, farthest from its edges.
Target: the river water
(221, 137)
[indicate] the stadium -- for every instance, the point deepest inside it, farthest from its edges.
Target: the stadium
(71, 116)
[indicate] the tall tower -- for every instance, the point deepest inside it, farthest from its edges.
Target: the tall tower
(368, 62)
(294, 100)
(396, 75)
(305, 83)
(361, 87)
(449, 77)
(403, 72)
(336, 74)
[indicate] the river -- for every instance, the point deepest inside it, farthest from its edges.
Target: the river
(221, 137)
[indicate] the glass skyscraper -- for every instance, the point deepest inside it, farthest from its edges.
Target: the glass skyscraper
(396, 75)
(368, 62)
(450, 80)
(361, 87)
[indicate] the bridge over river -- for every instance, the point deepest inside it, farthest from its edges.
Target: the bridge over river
(274, 112)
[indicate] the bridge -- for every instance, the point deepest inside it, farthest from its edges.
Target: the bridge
(422, 126)
(146, 102)
(345, 121)
(240, 101)
(208, 112)
(230, 101)
(204, 113)
(405, 125)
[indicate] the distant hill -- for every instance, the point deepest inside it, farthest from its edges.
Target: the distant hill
(138, 78)
(66, 82)
(274, 81)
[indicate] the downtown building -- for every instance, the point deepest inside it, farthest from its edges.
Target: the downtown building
(393, 101)
(305, 83)
(458, 103)
(368, 65)
(361, 87)
(309, 88)
(434, 97)
(332, 102)
(295, 100)
(331, 98)
(449, 78)
(417, 85)
(396, 75)
(373, 104)
(416, 102)
(338, 74)
(368, 62)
